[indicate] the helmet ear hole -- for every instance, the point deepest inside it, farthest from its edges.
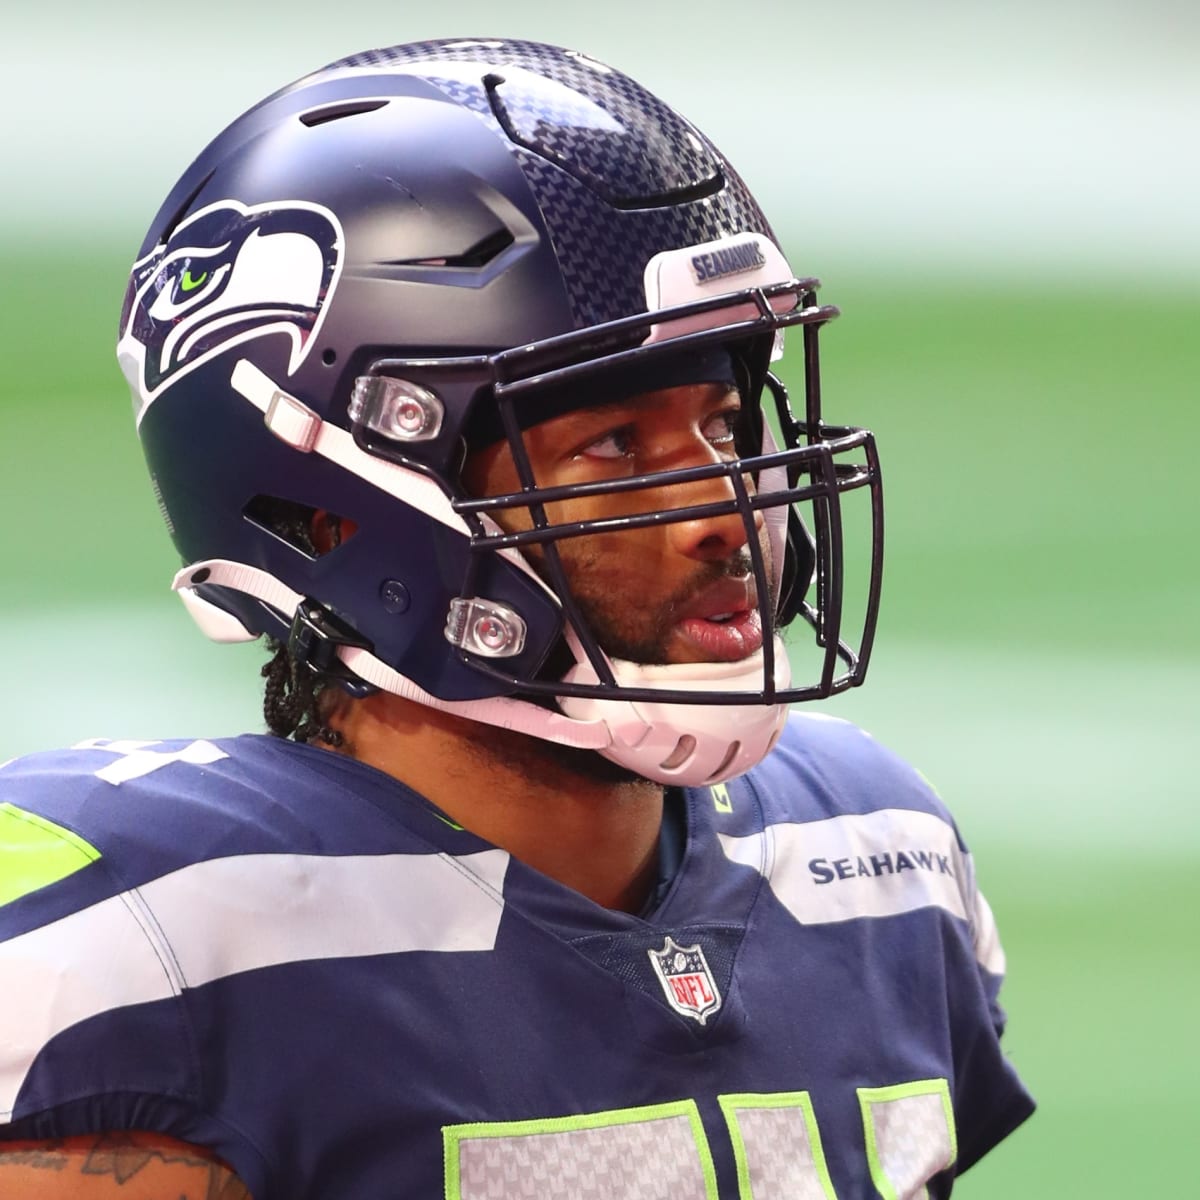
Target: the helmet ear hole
(315, 532)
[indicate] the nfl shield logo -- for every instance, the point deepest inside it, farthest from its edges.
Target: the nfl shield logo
(686, 980)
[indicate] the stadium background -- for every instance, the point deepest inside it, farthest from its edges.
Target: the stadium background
(1002, 200)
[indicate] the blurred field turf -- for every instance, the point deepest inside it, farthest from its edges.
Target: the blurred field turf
(1038, 655)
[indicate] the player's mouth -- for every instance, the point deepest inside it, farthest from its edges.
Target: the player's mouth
(723, 623)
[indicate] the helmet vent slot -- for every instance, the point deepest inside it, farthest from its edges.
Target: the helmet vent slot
(478, 255)
(734, 748)
(484, 250)
(684, 749)
(335, 112)
(615, 138)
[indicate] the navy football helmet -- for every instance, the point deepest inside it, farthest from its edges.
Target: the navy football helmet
(417, 244)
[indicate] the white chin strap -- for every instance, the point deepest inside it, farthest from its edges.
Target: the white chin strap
(685, 744)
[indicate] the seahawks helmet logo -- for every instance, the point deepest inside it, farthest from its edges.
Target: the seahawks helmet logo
(225, 275)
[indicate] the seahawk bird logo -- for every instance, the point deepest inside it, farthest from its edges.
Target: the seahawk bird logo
(227, 274)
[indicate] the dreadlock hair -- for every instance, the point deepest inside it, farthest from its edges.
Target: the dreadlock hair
(298, 702)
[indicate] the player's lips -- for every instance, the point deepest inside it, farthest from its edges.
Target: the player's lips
(723, 622)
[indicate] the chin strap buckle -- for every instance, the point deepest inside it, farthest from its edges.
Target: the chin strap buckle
(313, 642)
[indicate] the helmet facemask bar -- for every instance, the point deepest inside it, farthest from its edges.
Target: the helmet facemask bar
(816, 461)
(810, 455)
(812, 431)
(546, 534)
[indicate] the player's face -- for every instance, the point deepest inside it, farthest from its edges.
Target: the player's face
(672, 593)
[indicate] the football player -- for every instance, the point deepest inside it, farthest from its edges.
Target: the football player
(453, 366)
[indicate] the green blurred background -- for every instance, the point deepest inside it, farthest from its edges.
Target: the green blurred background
(1003, 202)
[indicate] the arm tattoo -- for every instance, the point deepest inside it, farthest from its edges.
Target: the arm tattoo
(46, 1157)
(122, 1157)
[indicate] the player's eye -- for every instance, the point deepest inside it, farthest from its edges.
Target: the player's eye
(721, 428)
(616, 443)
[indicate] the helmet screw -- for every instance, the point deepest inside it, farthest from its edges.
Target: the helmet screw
(493, 634)
(410, 418)
(395, 596)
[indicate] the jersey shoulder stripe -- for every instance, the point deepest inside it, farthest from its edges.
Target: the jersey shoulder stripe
(849, 830)
(135, 811)
(823, 767)
(223, 916)
(157, 868)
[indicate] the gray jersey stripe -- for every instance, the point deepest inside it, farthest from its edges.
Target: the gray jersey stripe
(217, 918)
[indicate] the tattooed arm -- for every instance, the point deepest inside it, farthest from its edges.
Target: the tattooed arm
(115, 1166)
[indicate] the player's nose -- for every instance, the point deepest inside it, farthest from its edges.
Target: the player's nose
(712, 536)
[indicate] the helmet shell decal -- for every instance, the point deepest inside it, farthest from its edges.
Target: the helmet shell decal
(227, 274)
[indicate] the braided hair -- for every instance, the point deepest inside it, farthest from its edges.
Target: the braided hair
(298, 702)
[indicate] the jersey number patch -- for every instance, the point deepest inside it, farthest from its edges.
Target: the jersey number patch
(137, 758)
(662, 1153)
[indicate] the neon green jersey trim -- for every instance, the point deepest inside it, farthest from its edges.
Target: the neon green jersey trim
(35, 852)
(721, 798)
(800, 1102)
(868, 1097)
(454, 1135)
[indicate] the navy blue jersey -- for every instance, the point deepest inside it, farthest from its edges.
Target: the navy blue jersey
(287, 956)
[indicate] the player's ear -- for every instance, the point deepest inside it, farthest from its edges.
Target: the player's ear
(329, 530)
